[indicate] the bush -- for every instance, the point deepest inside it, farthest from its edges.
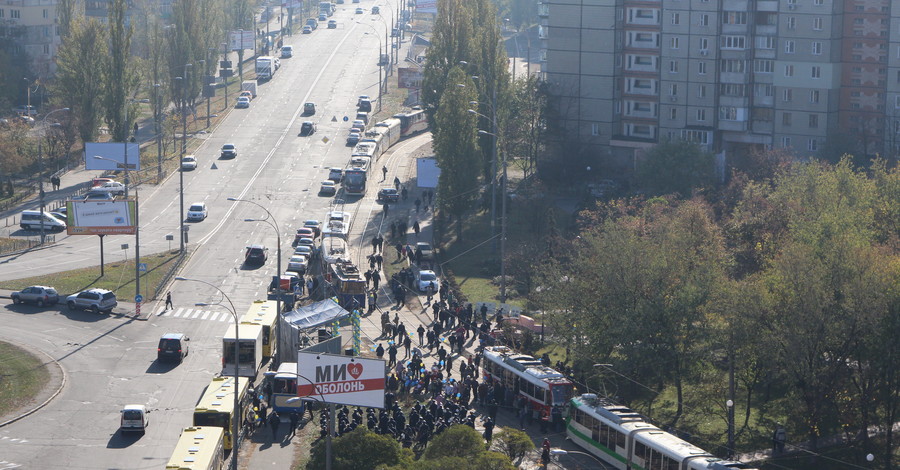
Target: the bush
(513, 443)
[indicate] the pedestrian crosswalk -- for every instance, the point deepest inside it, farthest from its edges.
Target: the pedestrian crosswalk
(196, 314)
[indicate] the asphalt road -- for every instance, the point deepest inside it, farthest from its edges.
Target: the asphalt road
(110, 360)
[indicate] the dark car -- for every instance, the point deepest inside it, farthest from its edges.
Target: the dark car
(388, 195)
(308, 128)
(38, 295)
(427, 251)
(229, 151)
(256, 254)
(172, 346)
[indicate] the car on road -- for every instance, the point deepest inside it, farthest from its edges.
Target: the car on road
(246, 94)
(228, 151)
(287, 52)
(309, 109)
(307, 30)
(114, 187)
(307, 242)
(60, 215)
(304, 232)
(336, 174)
(172, 346)
(312, 23)
(188, 162)
(361, 99)
(33, 220)
(298, 263)
(353, 138)
(307, 128)
(99, 195)
(427, 251)
(242, 102)
(323, 17)
(359, 11)
(364, 105)
(388, 195)
(304, 250)
(38, 295)
(197, 212)
(256, 254)
(315, 225)
(332, 24)
(134, 418)
(328, 188)
(95, 300)
(424, 280)
(376, 10)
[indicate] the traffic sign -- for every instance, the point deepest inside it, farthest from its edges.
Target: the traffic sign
(138, 298)
(324, 140)
(142, 267)
(346, 118)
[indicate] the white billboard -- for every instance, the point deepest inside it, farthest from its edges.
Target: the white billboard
(100, 217)
(426, 6)
(241, 39)
(114, 151)
(427, 172)
(344, 380)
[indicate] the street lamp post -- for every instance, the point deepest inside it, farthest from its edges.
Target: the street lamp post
(558, 452)
(184, 86)
(41, 164)
(270, 219)
(156, 127)
(137, 223)
(386, 41)
(502, 218)
(235, 421)
(380, 63)
(331, 412)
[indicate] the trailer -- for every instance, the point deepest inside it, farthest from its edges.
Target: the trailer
(249, 85)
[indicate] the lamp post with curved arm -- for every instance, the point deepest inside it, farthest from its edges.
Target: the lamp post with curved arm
(235, 419)
(331, 412)
(270, 219)
(386, 52)
(41, 164)
(380, 63)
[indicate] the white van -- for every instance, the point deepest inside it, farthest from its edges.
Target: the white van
(31, 220)
(134, 418)
(287, 52)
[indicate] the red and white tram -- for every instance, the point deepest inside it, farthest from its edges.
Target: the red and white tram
(543, 386)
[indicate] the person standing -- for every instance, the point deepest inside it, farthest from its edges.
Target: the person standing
(384, 173)
(274, 422)
(295, 420)
(379, 351)
(376, 278)
(407, 343)
(416, 229)
(368, 276)
(392, 355)
(421, 331)
(169, 305)
(778, 439)
(418, 204)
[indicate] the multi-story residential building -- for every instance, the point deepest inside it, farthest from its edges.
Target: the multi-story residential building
(730, 75)
(31, 29)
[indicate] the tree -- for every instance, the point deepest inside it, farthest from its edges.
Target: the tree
(450, 44)
(79, 76)
(456, 150)
(456, 441)
(524, 134)
(68, 11)
(513, 443)
(360, 449)
(120, 77)
(676, 167)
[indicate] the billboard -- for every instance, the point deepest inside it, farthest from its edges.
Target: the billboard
(409, 77)
(426, 6)
(100, 217)
(111, 151)
(343, 380)
(427, 172)
(241, 39)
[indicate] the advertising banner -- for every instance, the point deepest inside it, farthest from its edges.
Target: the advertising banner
(409, 77)
(343, 380)
(238, 40)
(114, 151)
(100, 217)
(426, 6)
(427, 172)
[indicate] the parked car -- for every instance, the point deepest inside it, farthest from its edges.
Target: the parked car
(304, 250)
(38, 295)
(98, 195)
(388, 195)
(360, 125)
(309, 108)
(315, 225)
(361, 99)
(328, 188)
(242, 102)
(353, 138)
(246, 94)
(427, 251)
(424, 280)
(95, 300)
(113, 187)
(336, 174)
(298, 263)
(359, 11)
(197, 211)
(304, 232)
(229, 151)
(307, 128)
(188, 162)
(287, 52)
(172, 346)
(256, 254)
(332, 24)
(307, 30)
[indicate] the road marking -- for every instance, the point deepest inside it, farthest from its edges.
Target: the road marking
(205, 314)
(196, 314)
(186, 312)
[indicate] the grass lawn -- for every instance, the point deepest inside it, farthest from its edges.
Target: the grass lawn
(23, 377)
(118, 277)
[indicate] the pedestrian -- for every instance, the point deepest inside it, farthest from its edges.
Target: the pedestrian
(404, 194)
(374, 244)
(379, 351)
(392, 355)
(55, 182)
(418, 204)
(384, 173)
(385, 208)
(488, 429)
(295, 420)
(394, 229)
(416, 229)
(407, 343)
(421, 331)
(373, 300)
(368, 276)
(379, 260)
(397, 183)
(169, 305)
(274, 422)
(376, 278)
(400, 253)
(430, 290)
(545, 420)
(135, 128)
(778, 439)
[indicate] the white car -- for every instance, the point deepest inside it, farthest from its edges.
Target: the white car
(315, 225)
(307, 242)
(303, 250)
(188, 162)
(242, 102)
(113, 187)
(424, 280)
(298, 264)
(197, 211)
(328, 188)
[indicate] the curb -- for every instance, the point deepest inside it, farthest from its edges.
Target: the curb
(62, 384)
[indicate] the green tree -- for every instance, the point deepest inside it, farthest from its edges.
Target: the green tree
(513, 443)
(456, 149)
(120, 77)
(676, 167)
(68, 11)
(79, 77)
(456, 441)
(360, 449)
(451, 43)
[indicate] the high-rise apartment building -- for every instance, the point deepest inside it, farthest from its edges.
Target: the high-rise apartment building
(730, 75)
(31, 30)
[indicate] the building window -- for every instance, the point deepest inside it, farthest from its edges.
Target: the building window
(786, 119)
(676, 18)
(816, 72)
(816, 48)
(673, 89)
(728, 113)
(787, 95)
(45, 13)
(15, 14)
(788, 70)
(813, 96)
(674, 43)
(813, 121)
(734, 17)
(817, 23)
(812, 145)
(789, 47)
(595, 128)
(818, 3)
(673, 113)
(701, 115)
(704, 44)
(701, 91)
(765, 42)
(673, 66)
(785, 142)
(3, 14)
(734, 42)
(791, 22)
(733, 66)
(763, 66)
(704, 20)
(764, 89)
(47, 49)
(701, 68)
(697, 137)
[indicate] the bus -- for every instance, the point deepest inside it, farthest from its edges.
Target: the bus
(284, 387)
(250, 353)
(216, 406)
(412, 122)
(198, 448)
(355, 176)
(265, 314)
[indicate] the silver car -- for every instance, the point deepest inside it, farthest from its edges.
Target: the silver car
(95, 300)
(38, 295)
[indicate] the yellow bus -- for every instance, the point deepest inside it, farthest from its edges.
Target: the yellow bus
(216, 406)
(198, 448)
(265, 314)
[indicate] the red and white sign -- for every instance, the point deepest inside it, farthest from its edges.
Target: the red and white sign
(344, 380)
